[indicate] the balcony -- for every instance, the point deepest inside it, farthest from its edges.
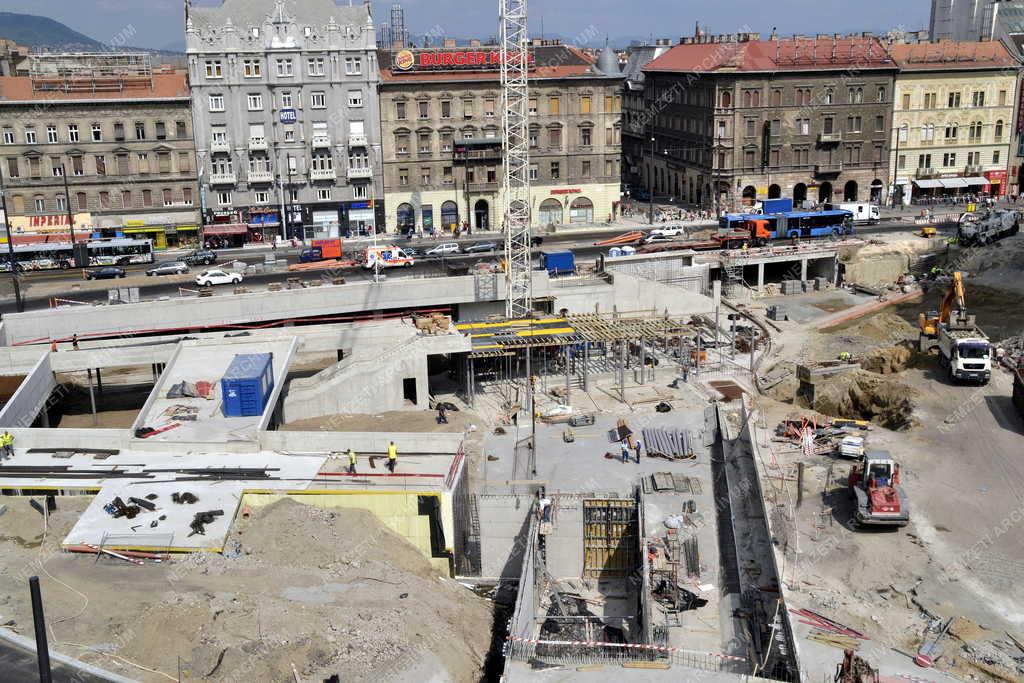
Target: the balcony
(925, 172)
(220, 146)
(258, 144)
(223, 179)
(321, 141)
(832, 168)
(972, 170)
(360, 173)
(356, 140)
(830, 138)
(261, 176)
(322, 174)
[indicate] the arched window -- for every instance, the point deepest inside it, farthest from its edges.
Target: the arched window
(726, 99)
(746, 99)
(881, 93)
(82, 201)
(829, 96)
(999, 129)
(904, 132)
(757, 98)
(859, 96)
(776, 98)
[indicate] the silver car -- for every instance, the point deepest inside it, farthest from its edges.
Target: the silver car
(168, 268)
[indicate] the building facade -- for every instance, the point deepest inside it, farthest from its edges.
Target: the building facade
(804, 118)
(953, 121)
(121, 133)
(441, 124)
(286, 118)
(635, 118)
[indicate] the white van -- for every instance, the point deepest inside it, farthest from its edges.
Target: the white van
(862, 212)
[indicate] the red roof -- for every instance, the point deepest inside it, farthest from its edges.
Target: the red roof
(164, 86)
(775, 55)
(951, 54)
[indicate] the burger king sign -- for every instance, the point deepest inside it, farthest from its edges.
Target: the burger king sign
(404, 60)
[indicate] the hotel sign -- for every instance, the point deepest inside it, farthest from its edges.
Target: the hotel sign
(454, 60)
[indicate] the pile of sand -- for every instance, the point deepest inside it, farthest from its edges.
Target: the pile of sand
(889, 361)
(328, 592)
(885, 328)
(863, 395)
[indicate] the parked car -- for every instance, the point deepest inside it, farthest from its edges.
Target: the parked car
(444, 249)
(671, 231)
(105, 273)
(168, 268)
(208, 278)
(413, 252)
(480, 248)
(202, 257)
(656, 237)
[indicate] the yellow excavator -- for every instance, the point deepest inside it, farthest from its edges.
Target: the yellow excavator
(929, 322)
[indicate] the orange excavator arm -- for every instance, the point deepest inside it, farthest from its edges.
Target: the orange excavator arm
(955, 293)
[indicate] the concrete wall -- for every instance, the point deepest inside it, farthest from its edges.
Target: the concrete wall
(636, 294)
(31, 396)
(876, 270)
(504, 522)
(565, 542)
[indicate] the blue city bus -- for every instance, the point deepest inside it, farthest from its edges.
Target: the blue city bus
(793, 224)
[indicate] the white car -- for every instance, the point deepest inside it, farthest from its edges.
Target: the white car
(656, 237)
(673, 231)
(208, 278)
(444, 249)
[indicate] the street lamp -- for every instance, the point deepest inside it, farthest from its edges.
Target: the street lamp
(10, 248)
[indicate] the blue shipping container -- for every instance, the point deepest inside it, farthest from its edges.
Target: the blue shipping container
(558, 262)
(247, 384)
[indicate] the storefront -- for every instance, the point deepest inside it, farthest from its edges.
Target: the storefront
(997, 182)
(227, 235)
(266, 221)
(138, 229)
(50, 224)
(952, 188)
(357, 218)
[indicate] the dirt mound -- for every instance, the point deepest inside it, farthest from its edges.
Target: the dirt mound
(889, 361)
(884, 327)
(863, 395)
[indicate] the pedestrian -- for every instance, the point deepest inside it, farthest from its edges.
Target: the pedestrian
(7, 444)
(392, 457)
(74, 342)
(351, 461)
(639, 447)
(442, 414)
(625, 452)
(53, 346)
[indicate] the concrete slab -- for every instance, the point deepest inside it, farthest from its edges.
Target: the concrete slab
(172, 534)
(195, 361)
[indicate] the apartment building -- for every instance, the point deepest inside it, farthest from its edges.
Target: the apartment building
(441, 124)
(735, 119)
(953, 121)
(285, 110)
(113, 131)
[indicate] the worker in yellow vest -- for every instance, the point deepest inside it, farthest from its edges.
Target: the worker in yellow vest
(392, 457)
(351, 461)
(7, 444)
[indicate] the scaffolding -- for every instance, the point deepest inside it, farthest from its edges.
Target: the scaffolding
(89, 72)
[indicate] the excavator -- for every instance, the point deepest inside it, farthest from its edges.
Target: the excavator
(964, 350)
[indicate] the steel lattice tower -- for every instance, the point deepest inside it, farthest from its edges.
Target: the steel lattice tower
(515, 67)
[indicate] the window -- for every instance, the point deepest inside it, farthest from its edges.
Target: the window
(803, 127)
(12, 167)
(555, 138)
(446, 142)
(56, 167)
(184, 162)
(40, 204)
(34, 167)
(403, 176)
(901, 161)
(951, 131)
(774, 127)
(77, 167)
(315, 66)
(62, 204)
(355, 98)
(222, 167)
(73, 133)
(255, 102)
(122, 164)
(401, 143)
(425, 175)
(446, 109)
(585, 168)
(51, 135)
(881, 93)
(126, 199)
(974, 132)
(180, 130)
(101, 164)
(322, 162)
(489, 107)
(252, 68)
(978, 98)
(423, 109)
(446, 175)
(30, 136)
(360, 192)
(534, 138)
(853, 124)
(1002, 98)
(906, 100)
(904, 133)
(949, 159)
(586, 135)
(284, 68)
(776, 98)
(163, 162)
(323, 194)
(97, 132)
(8, 136)
(214, 69)
(224, 198)
(216, 104)
(995, 157)
(930, 100)
(467, 108)
(143, 159)
(927, 132)
(140, 130)
(169, 198)
(750, 128)
(556, 171)
(82, 201)
(585, 104)
(554, 105)
(353, 66)
(423, 146)
(104, 200)
(161, 130)
(492, 175)
(879, 123)
(998, 131)
(400, 110)
(19, 204)
(726, 99)
(609, 168)
(318, 100)
(954, 100)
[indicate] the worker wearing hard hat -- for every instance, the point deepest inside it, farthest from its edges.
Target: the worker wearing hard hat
(351, 461)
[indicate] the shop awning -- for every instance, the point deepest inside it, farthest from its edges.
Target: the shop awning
(975, 180)
(135, 231)
(928, 184)
(187, 228)
(227, 229)
(953, 183)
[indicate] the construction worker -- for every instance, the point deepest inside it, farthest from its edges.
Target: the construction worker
(74, 341)
(351, 461)
(639, 446)
(392, 457)
(7, 444)
(845, 356)
(625, 452)
(442, 414)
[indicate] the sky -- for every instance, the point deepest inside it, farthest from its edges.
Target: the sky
(157, 23)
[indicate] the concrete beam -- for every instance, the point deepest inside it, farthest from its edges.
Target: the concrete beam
(31, 397)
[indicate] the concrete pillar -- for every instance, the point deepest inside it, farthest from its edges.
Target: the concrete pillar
(760, 277)
(92, 400)
(803, 270)
(99, 381)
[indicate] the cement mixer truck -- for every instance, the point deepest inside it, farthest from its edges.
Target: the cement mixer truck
(985, 227)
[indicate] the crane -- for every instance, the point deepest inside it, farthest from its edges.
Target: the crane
(515, 65)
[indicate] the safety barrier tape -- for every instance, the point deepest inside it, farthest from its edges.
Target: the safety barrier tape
(628, 646)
